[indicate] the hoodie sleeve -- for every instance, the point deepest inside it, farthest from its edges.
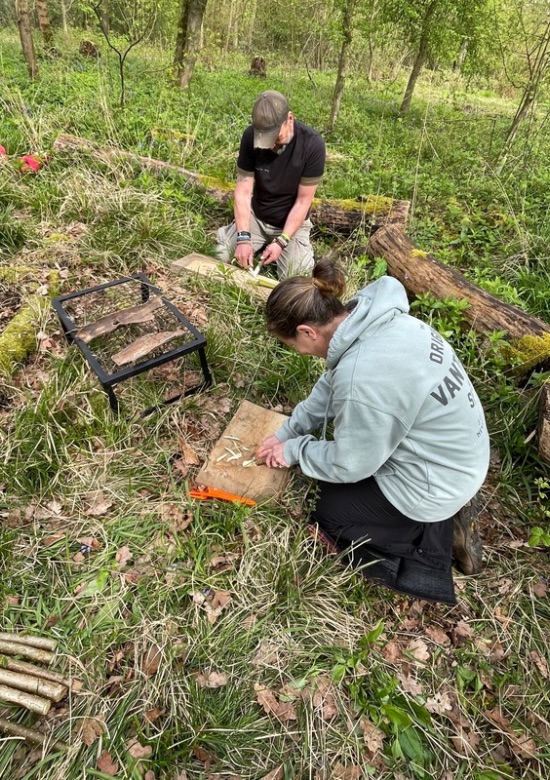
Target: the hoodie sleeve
(364, 439)
(309, 414)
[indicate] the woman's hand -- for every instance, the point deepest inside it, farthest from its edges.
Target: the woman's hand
(272, 450)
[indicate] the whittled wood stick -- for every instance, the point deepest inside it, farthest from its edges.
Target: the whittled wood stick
(36, 671)
(27, 639)
(31, 735)
(24, 699)
(24, 682)
(26, 651)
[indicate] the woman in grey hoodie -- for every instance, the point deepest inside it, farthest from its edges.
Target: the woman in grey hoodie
(409, 446)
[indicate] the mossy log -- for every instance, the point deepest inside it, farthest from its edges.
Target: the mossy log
(528, 338)
(18, 339)
(544, 423)
(343, 216)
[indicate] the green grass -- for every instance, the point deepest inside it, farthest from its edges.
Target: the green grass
(363, 682)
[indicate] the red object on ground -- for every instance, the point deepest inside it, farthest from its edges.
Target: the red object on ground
(2, 151)
(30, 163)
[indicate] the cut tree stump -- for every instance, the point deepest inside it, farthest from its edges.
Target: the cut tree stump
(544, 424)
(367, 212)
(250, 425)
(420, 272)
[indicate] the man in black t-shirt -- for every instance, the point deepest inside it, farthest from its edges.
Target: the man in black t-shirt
(280, 165)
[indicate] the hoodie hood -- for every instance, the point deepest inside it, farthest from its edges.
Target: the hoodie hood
(375, 305)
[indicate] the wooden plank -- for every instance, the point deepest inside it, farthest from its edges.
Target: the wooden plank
(208, 266)
(249, 426)
(132, 316)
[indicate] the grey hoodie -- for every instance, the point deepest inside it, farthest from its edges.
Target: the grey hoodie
(403, 408)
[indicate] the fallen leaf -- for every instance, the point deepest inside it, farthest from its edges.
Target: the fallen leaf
(324, 697)
(47, 541)
(181, 467)
(409, 685)
(418, 649)
(461, 632)
(495, 715)
(149, 775)
(202, 755)
(123, 555)
(212, 680)
(437, 635)
(465, 742)
(249, 622)
(266, 654)
(341, 772)
(266, 698)
(152, 659)
(524, 746)
(439, 704)
(540, 588)
(92, 729)
(99, 505)
(189, 455)
(540, 663)
(106, 764)
(153, 714)
(373, 737)
(275, 774)
(137, 750)
(392, 651)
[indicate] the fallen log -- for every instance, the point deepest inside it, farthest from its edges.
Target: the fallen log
(528, 337)
(367, 212)
(544, 423)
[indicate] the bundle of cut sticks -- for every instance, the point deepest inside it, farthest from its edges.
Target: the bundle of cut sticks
(24, 683)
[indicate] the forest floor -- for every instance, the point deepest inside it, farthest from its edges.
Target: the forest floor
(213, 640)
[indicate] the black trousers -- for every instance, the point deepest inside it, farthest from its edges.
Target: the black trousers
(405, 555)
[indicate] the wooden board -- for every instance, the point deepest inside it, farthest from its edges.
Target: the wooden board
(208, 266)
(250, 425)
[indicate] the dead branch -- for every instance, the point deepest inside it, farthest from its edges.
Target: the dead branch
(28, 700)
(26, 651)
(38, 671)
(131, 316)
(25, 682)
(30, 735)
(41, 642)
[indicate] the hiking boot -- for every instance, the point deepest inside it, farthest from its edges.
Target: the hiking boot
(467, 548)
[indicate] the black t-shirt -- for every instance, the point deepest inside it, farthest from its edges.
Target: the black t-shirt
(277, 176)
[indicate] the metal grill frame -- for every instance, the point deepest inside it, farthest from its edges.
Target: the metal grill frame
(109, 380)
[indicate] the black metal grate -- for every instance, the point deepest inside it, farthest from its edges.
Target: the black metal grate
(78, 309)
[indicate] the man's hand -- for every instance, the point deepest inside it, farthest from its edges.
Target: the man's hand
(244, 255)
(272, 450)
(271, 253)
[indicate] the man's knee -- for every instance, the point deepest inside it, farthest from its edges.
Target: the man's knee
(225, 242)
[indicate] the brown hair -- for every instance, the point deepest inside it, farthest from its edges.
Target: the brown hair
(314, 300)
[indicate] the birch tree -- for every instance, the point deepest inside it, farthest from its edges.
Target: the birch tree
(347, 37)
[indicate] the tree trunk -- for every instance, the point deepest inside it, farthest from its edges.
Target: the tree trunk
(188, 38)
(421, 57)
(25, 34)
(347, 34)
(181, 36)
(544, 423)
(64, 17)
(420, 273)
(44, 22)
(461, 56)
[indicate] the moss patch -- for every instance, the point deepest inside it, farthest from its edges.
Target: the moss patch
(18, 339)
(528, 352)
